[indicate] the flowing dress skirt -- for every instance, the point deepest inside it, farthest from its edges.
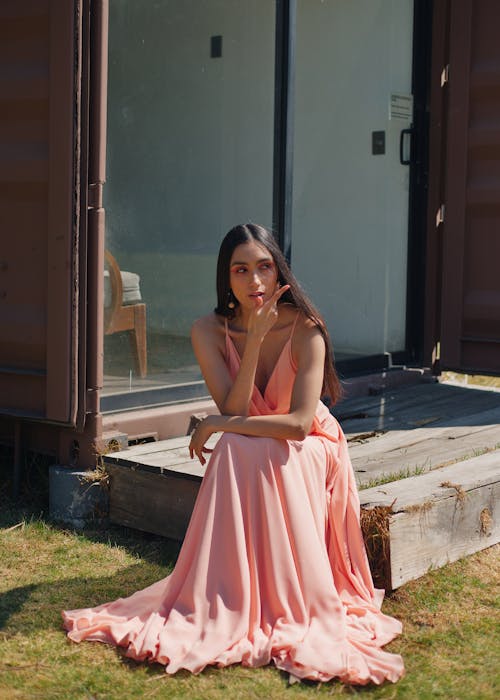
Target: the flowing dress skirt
(272, 569)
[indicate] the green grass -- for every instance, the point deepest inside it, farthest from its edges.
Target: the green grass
(403, 473)
(450, 642)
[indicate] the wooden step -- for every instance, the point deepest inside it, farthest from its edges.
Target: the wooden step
(411, 407)
(153, 487)
(422, 449)
(424, 522)
(410, 525)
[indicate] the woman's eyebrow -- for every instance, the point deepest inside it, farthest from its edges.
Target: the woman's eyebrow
(245, 262)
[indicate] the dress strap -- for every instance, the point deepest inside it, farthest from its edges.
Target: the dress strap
(294, 324)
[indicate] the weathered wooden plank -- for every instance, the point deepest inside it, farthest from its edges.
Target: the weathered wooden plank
(191, 469)
(414, 417)
(456, 427)
(151, 501)
(396, 412)
(448, 530)
(385, 454)
(432, 519)
(436, 452)
(399, 397)
(159, 446)
(470, 474)
(393, 395)
(164, 457)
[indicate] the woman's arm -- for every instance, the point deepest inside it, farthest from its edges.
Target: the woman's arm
(295, 425)
(233, 397)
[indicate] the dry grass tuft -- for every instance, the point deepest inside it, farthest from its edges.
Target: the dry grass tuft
(461, 494)
(364, 437)
(486, 521)
(375, 527)
(420, 507)
(99, 475)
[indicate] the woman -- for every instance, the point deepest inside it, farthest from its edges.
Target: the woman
(273, 566)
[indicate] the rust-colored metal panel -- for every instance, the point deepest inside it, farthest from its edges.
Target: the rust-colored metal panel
(470, 333)
(40, 87)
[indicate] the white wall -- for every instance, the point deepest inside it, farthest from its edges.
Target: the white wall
(350, 213)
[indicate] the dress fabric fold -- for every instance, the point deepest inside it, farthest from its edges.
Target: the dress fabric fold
(273, 567)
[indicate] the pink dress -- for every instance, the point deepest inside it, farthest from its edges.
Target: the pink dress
(272, 568)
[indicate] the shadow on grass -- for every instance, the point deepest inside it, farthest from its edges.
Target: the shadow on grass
(155, 549)
(38, 606)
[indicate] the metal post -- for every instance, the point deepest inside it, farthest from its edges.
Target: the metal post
(286, 20)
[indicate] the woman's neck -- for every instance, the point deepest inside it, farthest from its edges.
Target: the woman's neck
(241, 319)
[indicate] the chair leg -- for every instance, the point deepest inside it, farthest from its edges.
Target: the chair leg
(138, 340)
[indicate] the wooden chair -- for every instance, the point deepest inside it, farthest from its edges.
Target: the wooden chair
(122, 316)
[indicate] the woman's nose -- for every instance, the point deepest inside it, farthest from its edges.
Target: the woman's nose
(255, 279)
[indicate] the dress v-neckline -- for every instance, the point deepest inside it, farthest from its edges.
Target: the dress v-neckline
(287, 342)
(263, 393)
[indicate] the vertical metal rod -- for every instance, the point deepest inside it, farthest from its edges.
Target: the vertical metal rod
(284, 87)
(97, 177)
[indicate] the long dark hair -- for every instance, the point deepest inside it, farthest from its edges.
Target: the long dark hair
(245, 233)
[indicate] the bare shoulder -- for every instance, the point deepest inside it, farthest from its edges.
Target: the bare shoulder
(209, 327)
(307, 339)
(306, 327)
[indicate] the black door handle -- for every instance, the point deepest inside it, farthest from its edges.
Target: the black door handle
(402, 159)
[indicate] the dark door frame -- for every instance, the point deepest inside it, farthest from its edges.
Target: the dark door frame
(286, 30)
(436, 195)
(419, 180)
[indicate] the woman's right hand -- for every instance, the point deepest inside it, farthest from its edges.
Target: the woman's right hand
(265, 314)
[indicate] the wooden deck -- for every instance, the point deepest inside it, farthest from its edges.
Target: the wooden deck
(425, 434)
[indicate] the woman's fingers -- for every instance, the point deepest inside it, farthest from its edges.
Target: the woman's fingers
(197, 448)
(272, 301)
(280, 291)
(265, 313)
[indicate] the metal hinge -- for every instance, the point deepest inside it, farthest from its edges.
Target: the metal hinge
(94, 195)
(440, 215)
(445, 75)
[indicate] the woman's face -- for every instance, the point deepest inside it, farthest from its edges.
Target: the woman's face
(253, 275)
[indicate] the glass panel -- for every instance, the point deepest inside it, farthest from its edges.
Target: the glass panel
(350, 208)
(189, 154)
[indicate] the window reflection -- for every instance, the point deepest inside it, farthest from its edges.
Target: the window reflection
(189, 154)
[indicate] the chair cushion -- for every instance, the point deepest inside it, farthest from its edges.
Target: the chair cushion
(131, 288)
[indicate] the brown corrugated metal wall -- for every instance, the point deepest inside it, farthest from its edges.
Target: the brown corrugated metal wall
(39, 210)
(470, 334)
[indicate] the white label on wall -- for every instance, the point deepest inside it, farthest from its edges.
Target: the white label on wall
(401, 107)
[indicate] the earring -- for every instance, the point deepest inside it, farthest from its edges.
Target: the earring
(230, 302)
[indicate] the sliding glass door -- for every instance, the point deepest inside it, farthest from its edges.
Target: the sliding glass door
(353, 104)
(189, 155)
